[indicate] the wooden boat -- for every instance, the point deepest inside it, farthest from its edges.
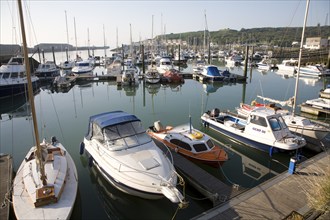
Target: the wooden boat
(189, 142)
(46, 183)
(173, 76)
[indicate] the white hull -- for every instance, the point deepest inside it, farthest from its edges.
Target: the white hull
(22, 202)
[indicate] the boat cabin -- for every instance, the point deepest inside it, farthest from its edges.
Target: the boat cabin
(117, 131)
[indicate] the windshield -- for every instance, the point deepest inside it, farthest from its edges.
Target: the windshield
(274, 124)
(125, 135)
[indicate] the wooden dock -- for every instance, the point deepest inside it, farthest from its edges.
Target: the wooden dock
(277, 198)
(6, 171)
(208, 185)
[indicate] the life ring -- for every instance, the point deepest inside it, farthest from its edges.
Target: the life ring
(196, 135)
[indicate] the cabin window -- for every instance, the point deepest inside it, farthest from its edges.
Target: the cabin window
(0, 75)
(6, 75)
(14, 75)
(282, 122)
(210, 144)
(97, 132)
(258, 120)
(200, 147)
(274, 124)
(181, 144)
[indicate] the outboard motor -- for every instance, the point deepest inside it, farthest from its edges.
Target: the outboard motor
(53, 140)
(215, 112)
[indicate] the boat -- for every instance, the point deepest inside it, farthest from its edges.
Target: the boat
(128, 158)
(130, 76)
(62, 82)
(13, 79)
(189, 142)
(67, 65)
(198, 66)
(312, 70)
(320, 103)
(297, 124)
(212, 73)
(47, 70)
(325, 93)
(267, 64)
(83, 67)
(172, 76)
(262, 129)
(288, 66)
(152, 76)
(46, 183)
(164, 64)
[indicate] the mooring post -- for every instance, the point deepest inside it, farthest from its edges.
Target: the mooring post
(246, 60)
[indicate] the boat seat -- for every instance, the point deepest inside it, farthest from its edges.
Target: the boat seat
(159, 126)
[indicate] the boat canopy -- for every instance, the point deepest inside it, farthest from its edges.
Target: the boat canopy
(112, 118)
(213, 71)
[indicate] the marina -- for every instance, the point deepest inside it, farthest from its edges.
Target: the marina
(205, 187)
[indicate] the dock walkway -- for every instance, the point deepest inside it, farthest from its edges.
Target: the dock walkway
(276, 198)
(208, 185)
(6, 170)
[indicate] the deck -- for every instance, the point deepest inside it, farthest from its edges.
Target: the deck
(278, 197)
(6, 171)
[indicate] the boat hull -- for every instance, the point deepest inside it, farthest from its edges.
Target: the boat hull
(62, 209)
(251, 143)
(10, 90)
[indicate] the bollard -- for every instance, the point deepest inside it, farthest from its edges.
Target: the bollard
(292, 165)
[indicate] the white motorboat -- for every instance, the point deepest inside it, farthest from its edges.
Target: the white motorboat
(297, 124)
(13, 79)
(164, 64)
(128, 158)
(84, 67)
(212, 73)
(311, 70)
(288, 66)
(152, 76)
(130, 76)
(263, 129)
(46, 183)
(47, 70)
(325, 93)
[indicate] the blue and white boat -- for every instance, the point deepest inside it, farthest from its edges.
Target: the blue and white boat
(84, 67)
(128, 158)
(13, 80)
(212, 73)
(263, 129)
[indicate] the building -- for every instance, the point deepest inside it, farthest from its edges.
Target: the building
(315, 43)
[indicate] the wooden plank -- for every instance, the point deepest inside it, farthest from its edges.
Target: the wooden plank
(6, 171)
(208, 185)
(277, 197)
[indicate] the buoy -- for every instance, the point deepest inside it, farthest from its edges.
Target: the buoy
(82, 148)
(292, 166)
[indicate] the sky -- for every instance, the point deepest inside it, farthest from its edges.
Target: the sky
(100, 22)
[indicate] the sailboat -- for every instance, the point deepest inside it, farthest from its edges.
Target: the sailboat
(68, 64)
(296, 124)
(46, 183)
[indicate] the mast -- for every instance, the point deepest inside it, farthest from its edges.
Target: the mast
(299, 60)
(67, 36)
(105, 50)
(131, 46)
(75, 36)
(31, 98)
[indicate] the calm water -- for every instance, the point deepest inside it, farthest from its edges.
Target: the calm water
(65, 115)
